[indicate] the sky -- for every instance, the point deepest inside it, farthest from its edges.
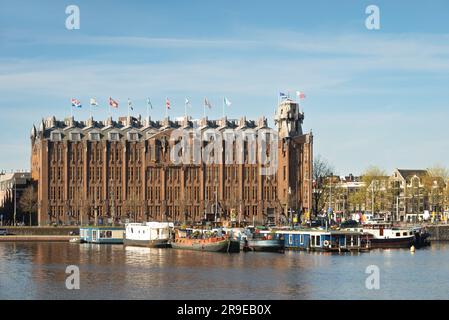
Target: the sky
(373, 97)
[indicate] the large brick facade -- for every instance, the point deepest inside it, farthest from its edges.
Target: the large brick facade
(124, 170)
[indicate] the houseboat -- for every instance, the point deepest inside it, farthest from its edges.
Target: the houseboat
(101, 235)
(382, 235)
(204, 240)
(261, 240)
(323, 240)
(148, 234)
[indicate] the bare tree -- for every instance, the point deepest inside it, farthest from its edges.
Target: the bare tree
(322, 170)
(375, 189)
(28, 201)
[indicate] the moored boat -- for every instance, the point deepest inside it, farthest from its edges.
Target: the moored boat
(310, 239)
(382, 235)
(261, 241)
(148, 234)
(102, 235)
(204, 240)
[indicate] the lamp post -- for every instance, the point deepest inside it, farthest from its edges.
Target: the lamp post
(15, 200)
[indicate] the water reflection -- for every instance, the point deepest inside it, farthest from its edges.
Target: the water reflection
(37, 271)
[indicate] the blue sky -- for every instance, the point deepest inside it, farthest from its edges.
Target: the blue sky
(373, 97)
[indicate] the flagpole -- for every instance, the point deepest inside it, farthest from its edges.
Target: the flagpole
(148, 108)
(166, 108)
(223, 107)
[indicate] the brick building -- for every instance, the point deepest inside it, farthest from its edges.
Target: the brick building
(130, 169)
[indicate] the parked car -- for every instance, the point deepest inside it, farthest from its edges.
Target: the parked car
(349, 224)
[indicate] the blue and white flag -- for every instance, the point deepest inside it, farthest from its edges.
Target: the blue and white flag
(130, 104)
(149, 103)
(282, 95)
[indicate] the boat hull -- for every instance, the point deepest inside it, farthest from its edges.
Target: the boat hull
(203, 245)
(391, 243)
(147, 243)
(263, 245)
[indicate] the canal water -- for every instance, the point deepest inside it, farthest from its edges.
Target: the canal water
(38, 271)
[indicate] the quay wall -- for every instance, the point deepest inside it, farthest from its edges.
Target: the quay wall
(40, 231)
(438, 232)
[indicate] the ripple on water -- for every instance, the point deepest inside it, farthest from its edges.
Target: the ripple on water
(37, 270)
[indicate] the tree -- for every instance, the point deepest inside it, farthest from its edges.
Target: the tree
(28, 201)
(375, 188)
(435, 187)
(322, 170)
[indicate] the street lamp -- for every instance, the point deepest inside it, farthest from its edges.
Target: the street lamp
(15, 200)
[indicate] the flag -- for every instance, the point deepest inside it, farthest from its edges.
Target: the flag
(93, 102)
(187, 102)
(76, 103)
(300, 94)
(227, 102)
(130, 104)
(282, 95)
(167, 103)
(113, 103)
(207, 103)
(149, 103)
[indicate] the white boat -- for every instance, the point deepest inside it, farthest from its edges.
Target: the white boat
(148, 234)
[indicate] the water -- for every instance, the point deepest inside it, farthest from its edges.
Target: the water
(37, 271)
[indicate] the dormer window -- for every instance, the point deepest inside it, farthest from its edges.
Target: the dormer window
(56, 136)
(133, 136)
(94, 136)
(75, 136)
(114, 136)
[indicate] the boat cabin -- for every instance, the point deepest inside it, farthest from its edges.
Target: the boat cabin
(112, 235)
(322, 240)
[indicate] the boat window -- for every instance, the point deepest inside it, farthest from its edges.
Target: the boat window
(109, 234)
(290, 239)
(301, 239)
(404, 233)
(318, 238)
(398, 234)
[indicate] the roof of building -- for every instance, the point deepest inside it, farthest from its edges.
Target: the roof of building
(145, 127)
(408, 173)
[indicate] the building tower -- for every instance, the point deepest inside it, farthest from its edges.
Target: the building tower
(295, 159)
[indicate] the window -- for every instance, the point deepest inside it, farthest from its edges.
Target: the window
(56, 136)
(75, 136)
(114, 136)
(133, 136)
(94, 136)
